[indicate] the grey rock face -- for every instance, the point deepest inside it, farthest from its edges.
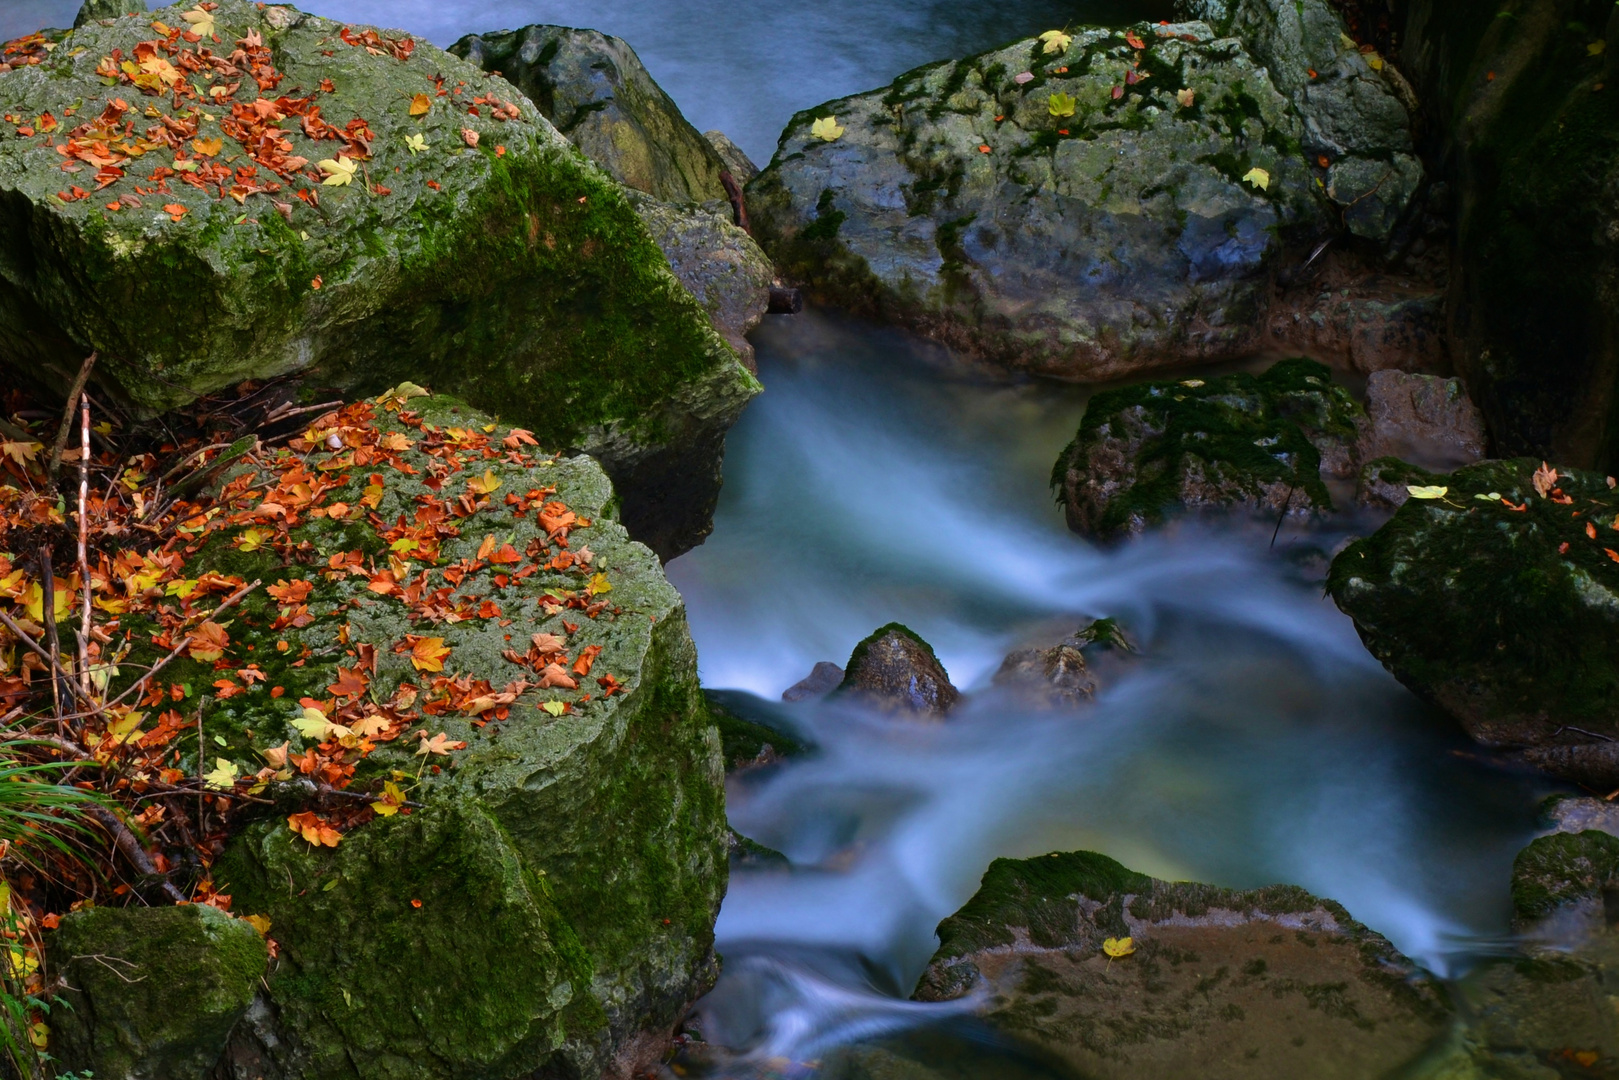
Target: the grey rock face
(1109, 241)
(1352, 113)
(822, 680)
(740, 165)
(895, 671)
(717, 262)
(108, 9)
(1422, 419)
(597, 92)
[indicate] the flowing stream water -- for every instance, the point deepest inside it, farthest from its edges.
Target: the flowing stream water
(876, 479)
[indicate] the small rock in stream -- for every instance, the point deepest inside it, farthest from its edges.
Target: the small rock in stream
(1054, 677)
(821, 681)
(895, 671)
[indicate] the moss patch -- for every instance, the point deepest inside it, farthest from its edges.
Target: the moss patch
(1563, 868)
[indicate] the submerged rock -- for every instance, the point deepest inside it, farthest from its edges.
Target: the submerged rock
(481, 632)
(1261, 442)
(1422, 419)
(1212, 982)
(599, 95)
(1500, 603)
(1053, 677)
(821, 681)
(151, 993)
(509, 272)
(1108, 240)
(894, 670)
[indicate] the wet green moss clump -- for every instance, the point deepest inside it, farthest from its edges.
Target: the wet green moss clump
(1561, 869)
(1498, 602)
(1240, 440)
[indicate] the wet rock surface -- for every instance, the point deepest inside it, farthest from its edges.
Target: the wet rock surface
(1112, 239)
(1500, 603)
(1061, 675)
(895, 671)
(735, 159)
(1213, 983)
(1262, 442)
(1422, 419)
(824, 678)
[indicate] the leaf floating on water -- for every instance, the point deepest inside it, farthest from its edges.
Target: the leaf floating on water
(1418, 491)
(1117, 947)
(1056, 41)
(827, 129)
(1061, 105)
(1258, 177)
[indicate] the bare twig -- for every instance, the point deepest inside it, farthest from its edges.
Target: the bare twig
(234, 598)
(132, 850)
(47, 586)
(84, 542)
(280, 412)
(67, 414)
(33, 646)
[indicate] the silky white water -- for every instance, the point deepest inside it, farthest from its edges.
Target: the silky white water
(1254, 740)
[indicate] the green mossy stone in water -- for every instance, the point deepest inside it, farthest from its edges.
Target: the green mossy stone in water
(1561, 869)
(1479, 608)
(1086, 247)
(569, 867)
(1206, 970)
(1239, 440)
(152, 993)
(524, 282)
(894, 670)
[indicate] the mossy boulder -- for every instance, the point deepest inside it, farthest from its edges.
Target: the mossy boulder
(1257, 441)
(108, 9)
(1498, 603)
(1114, 238)
(151, 993)
(1212, 982)
(1524, 102)
(208, 249)
(894, 671)
(599, 95)
(548, 908)
(1562, 869)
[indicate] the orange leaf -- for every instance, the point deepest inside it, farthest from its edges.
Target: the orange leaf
(1590, 530)
(518, 437)
(555, 675)
(208, 642)
(314, 829)
(419, 105)
(1612, 554)
(439, 744)
(470, 137)
(295, 591)
(175, 211)
(1545, 479)
(587, 657)
(487, 546)
(428, 653)
(506, 556)
(351, 683)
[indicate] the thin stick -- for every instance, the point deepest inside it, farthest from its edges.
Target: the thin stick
(67, 413)
(47, 586)
(132, 850)
(84, 540)
(178, 649)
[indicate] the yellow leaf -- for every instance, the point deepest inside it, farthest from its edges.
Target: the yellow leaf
(222, 776)
(415, 144)
(61, 603)
(1056, 41)
(404, 391)
(181, 587)
(252, 539)
(1258, 177)
(39, 1034)
(1418, 491)
(598, 585)
(1596, 48)
(428, 654)
(202, 22)
(1193, 383)
(483, 485)
(827, 128)
(339, 171)
(1060, 105)
(208, 147)
(419, 105)
(1117, 947)
(312, 724)
(122, 730)
(21, 452)
(392, 799)
(555, 708)
(22, 962)
(261, 923)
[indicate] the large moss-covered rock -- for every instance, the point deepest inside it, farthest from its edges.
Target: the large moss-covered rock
(151, 993)
(893, 670)
(1239, 440)
(1562, 869)
(1352, 111)
(597, 92)
(1525, 101)
(1110, 240)
(548, 908)
(1497, 603)
(512, 272)
(1212, 982)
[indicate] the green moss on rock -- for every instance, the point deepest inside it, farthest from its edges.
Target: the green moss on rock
(151, 993)
(568, 868)
(524, 281)
(1236, 440)
(1507, 618)
(1561, 869)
